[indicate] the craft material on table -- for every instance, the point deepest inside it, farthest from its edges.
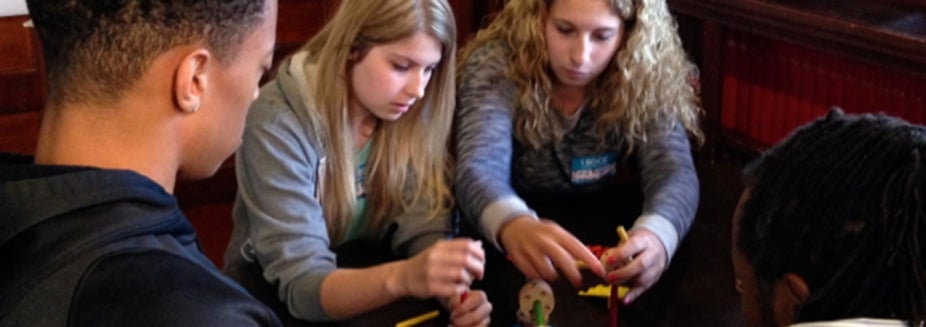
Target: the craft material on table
(418, 319)
(604, 291)
(536, 302)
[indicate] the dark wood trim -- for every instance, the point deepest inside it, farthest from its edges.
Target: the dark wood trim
(892, 35)
(905, 51)
(712, 83)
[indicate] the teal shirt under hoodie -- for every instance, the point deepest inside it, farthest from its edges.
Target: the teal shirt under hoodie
(278, 218)
(494, 169)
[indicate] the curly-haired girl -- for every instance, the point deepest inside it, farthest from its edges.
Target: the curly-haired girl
(555, 98)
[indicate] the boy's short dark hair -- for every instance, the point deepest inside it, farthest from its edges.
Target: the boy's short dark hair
(96, 49)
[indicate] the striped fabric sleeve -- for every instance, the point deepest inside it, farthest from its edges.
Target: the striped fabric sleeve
(670, 185)
(484, 143)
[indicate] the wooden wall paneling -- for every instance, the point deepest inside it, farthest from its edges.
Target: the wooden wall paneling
(919, 99)
(711, 82)
(863, 55)
(19, 132)
(814, 24)
(703, 40)
(16, 57)
(21, 91)
(463, 13)
(299, 20)
(22, 87)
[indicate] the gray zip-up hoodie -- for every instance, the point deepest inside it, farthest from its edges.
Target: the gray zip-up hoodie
(278, 216)
(493, 168)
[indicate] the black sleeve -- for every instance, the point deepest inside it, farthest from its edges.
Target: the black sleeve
(157, 288)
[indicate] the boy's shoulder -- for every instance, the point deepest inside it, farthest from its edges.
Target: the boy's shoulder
(161, 288)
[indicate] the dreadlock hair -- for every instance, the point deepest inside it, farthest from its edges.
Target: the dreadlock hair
(841, 202)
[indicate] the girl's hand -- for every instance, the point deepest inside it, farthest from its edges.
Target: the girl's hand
(637, 263)
(541, 247)
(474, 310)
(444, 270)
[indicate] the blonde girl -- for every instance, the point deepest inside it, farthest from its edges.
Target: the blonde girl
(349, 143)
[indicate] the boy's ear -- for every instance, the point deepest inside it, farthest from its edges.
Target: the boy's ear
(797, 287)
(191, 80)
(791, 292)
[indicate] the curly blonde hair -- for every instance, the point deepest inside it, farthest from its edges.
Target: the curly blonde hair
(646, 83)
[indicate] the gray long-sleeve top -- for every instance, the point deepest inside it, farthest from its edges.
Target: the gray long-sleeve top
(278, 218)
(493, 168)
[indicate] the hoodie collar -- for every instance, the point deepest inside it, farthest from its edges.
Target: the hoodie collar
(30, 194)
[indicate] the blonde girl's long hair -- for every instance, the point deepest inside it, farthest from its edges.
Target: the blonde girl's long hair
(647, 83)
(409, 161)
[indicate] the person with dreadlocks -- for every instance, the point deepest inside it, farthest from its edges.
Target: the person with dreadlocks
(557, 100)
(829, 230)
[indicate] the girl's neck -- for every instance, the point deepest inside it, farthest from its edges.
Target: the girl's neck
(567, 99)
(363, 124)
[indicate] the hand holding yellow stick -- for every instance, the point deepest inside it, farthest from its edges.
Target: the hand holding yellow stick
(622, 234)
